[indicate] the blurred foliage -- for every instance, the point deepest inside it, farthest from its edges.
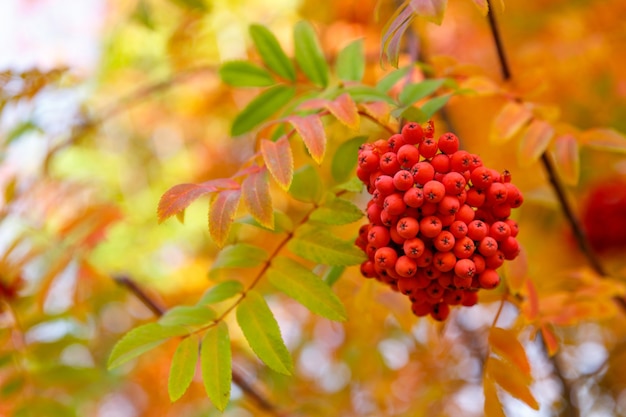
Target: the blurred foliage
(86, 158)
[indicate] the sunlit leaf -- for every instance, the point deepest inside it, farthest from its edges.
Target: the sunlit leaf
(307, 185)
(378, 111)
(261, 330)
(353, 185)
(320, 245)
(309, 54)
(512, 381)
(549, 339)
(435, 104)
(311, 130)
(345, 110)
(282, 222)
(394, 30)
(143, 14)
(192, 4)
(512, 117)
(414, 92)
(351, 62)
(271, 52)
(221, 214)
(240, 255)
(183, 367)
(261, 108)
(333, 274)
(504, 342)
(535, 141)
(344, 163)
(567, 159)
(187, 316)
(336, 211)
(364, 93)
(245, 74)
(179, 197)
(216, 365)
(220, 292)
(304, 286)
(493, 406)
(279, 160)
(604, 139)
(388, 81)
(140, 340)
(256, 194)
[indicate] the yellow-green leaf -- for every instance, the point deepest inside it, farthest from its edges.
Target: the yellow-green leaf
(220, 292)
(309, 54)
(336, 211)
(183, 367)
(351, 62)
(221, 214)
(535, 141)
(320, 245)
(271, 52)
(245, 74)
(256, 195)
(187, 316)
(261, 108)
(261, 330)
(307, 185)
(512, 117)
(216, 365)
(239, 255)
(504, 342)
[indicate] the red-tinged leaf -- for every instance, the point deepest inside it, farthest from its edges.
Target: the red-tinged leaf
(278, 160)
(530, 307)
(311, 129)
(493, 406)
(51, 272)
(256, 194)
(377, 110)
(567, 158)
(549, 339)
(179, 197)
(512, 381)
(344, 109)
(393, 31)
(482, 5)
(313, 104)
(512, 117)
(504, 342)
(221, 215)
(604, 139)
(535, 141)
(432, 10)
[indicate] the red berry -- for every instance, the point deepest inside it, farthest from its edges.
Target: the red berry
(413, 248)
(460, 161)
(378, 236)
(441, 163)
(434, 191)
(413, 133)
(389, 163)
(368, 161)
(488, 246)
(470, 298)
(464, 248)
(449, 205)
(368, 270)
(414, 197)
(444, 261)
(408, 155)
(489, 279)
(394, 204)
(428, 148)
(454, 183)
(405, 266)
(458, 229)
(407, 227)
(496, 193)
(395, 142)
(448, 143)
(440, 311)
(385, 257)
(481, 178)
(430, 226)
(477, 230)
(475, 197)
(403, 180)
(422, 172)
(499, 231)
(444, 241)
(421, 309)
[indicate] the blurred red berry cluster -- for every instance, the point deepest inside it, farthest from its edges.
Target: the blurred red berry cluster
(604, 216)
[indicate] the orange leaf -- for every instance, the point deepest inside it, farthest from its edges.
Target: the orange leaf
(482, 5)
(549, 339)
(221, 214)
(344, 109)
(493, 406)
(512, 117)
(378, 110)
(531, 306)
(51, 272)
(179, 197)
(517, 272)
(512, 381)
(535, 141)
(256, 194)
(311, 129)
(278, 160)
(567, 158)
(605, 139)
(504, 342)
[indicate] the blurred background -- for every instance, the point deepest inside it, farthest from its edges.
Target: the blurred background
(106, 104)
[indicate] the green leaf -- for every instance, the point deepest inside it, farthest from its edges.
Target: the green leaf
(140, 340)
(363, 94)
(333, 274)
(415, 92)
(344, 163)
(282, 222)
(435, 104)
(320, 245)
(192, 4)
(261, 108)
(256, 194)
(336, 211)
(351, 62)
(309, 54)
(261, 330)
(271, 53)
(307, 185)
(183, 367)
(187, 316)
(245, 74)
(353, 185)
(143, 14)
(216, 365)
(240, 255)
(222, 212)
(220, 292)
(299, 283)
(389, 80)
(410, 113)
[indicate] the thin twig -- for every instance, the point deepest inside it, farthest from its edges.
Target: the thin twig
(238, 378)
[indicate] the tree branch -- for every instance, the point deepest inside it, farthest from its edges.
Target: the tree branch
(238, 378)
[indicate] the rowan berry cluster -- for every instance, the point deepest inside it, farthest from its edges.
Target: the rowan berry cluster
(438, 219)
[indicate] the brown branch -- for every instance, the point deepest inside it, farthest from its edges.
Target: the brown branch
(238, 378)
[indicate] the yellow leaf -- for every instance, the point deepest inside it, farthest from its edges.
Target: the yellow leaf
(344, 109)
(604, 139)
(493, 406)
(567, 158)
(535, 141)
(511, 380)
(480, 85)
(504, 342)
(512, 117)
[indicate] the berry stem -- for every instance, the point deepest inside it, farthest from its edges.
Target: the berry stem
(238, 377)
